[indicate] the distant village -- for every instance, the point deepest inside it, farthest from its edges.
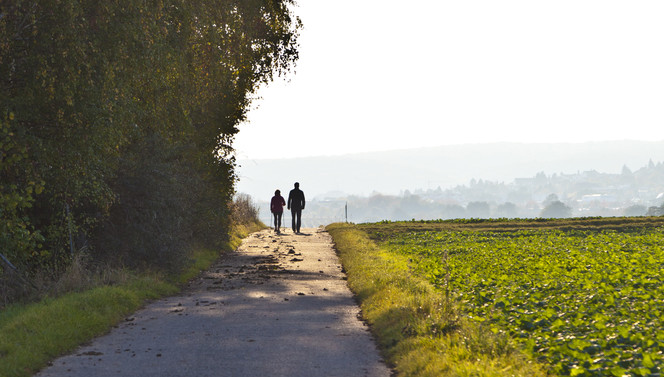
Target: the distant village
(582, 194)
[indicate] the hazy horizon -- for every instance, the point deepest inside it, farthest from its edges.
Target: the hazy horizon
(392, 172)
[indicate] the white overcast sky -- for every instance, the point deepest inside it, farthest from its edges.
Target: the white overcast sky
(384, 74)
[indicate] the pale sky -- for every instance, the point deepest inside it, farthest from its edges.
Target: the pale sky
(385, 74)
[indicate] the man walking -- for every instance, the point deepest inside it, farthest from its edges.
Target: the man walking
(296, 205)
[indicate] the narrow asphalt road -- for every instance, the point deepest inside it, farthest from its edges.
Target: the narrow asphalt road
(278, 306)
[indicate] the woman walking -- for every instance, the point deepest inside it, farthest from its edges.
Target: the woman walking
(277, 208)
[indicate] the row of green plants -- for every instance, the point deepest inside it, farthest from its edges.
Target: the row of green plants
(116, 126)
(420, 331)
(585, 301)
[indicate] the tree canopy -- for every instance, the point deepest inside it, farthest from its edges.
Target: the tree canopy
(556, 209)
(117, 121)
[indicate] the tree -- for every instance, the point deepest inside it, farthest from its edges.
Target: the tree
(18, 189)
(453, 211)
(551, 198)
(556, 209)
(121, 117)
(479, 210)
(507, 210)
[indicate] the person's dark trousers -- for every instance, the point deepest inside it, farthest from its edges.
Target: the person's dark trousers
(297, 219)
(277, 221)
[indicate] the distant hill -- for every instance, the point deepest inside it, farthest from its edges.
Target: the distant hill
(392, 172)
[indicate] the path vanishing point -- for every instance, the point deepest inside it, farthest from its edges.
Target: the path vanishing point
(278, 306)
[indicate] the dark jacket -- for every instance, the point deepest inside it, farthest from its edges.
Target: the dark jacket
(296, 199)
(277, 204)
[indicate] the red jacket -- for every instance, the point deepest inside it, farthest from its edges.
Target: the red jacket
(277, 204)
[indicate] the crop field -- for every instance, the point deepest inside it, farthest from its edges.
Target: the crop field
(585, 296)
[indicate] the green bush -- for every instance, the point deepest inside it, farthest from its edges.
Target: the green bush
(117, 121)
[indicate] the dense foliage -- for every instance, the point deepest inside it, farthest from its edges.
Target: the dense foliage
(117, 120)
(587, 302)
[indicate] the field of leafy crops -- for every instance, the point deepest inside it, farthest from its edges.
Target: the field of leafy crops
(587, 300)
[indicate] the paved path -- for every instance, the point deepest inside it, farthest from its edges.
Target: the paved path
(279, 306)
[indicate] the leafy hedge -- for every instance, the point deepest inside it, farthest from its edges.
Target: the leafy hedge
(117, 120)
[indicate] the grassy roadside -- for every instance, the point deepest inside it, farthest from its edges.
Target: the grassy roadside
(33, 334)
(419, 330)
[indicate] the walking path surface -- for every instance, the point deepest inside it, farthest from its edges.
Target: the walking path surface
(279, 306)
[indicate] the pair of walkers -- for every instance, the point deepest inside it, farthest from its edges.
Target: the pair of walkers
(295, 205)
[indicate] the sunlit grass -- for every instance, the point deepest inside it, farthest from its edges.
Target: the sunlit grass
(33, 334)
(418, 329)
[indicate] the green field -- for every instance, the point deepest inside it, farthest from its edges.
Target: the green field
(583, 296)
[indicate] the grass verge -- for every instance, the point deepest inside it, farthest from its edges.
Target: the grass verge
(33, 334)
(420, 331)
